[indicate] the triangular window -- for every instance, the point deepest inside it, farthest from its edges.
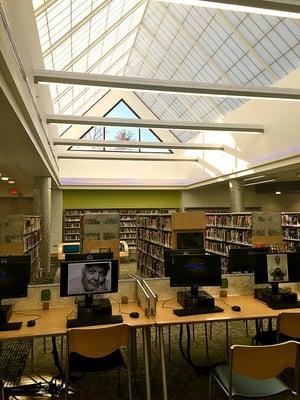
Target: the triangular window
(120, 110)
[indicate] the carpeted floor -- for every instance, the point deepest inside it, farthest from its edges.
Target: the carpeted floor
(184, 383)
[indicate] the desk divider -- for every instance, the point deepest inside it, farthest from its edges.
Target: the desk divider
(152, 296)
(143, 298)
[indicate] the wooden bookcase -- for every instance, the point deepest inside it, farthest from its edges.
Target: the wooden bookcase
(290, 222)
(128, 224)
(157, 232)
(21, 235)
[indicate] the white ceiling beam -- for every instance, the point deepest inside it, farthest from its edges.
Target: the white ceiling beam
(44, 7)
(161, 85)
(133, 144)
(152, 123)
(76, 155)
(287, 8)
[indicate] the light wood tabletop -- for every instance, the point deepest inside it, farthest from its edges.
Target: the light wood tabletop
(251, 308)
(53, 322)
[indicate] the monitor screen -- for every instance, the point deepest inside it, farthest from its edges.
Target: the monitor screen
(71, 248)
(14, 276)
(240, 259)
(294, 266)
(87, 277)
(89, 256)
(190, 240)
(195, 269)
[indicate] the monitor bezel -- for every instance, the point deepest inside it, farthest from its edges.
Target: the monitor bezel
(22, 261)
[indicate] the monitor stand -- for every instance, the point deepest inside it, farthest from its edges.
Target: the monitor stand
(91, 308)
(195, 298)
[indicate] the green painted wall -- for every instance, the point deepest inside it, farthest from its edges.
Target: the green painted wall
(121, 199)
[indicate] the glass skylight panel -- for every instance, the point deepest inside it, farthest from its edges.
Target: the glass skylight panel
(292, 38)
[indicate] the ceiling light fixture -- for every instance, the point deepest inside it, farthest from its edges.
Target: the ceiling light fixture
(132, 144)
(278, 192)
(260, 182)
(254, 177)
(4, 178)
(165, 86)
(153, 124)
(11, 181)
(282, 9)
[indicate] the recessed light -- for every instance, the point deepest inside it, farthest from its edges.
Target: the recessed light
(11, 181)
(278, 192)
(4, 178)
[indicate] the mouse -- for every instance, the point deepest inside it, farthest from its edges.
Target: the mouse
(31, 322)
(134, 314)
(236, 308)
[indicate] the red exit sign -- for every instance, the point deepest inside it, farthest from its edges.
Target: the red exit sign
(13, 191)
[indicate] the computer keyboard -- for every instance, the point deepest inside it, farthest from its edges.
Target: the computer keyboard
(194, 311)
(99, 320)
(279, 306)
(10, 326)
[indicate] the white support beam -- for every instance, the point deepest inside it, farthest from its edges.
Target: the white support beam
(287, 8)
(152, 124)
(77, 155)
(132, 144)
(161, 85)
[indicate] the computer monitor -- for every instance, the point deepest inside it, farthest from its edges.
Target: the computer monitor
(168, 253)
(14, 280)
(89, 256)
(195, 270)
(88, 278)
(190, 240)
(276, 268)
(240, 259)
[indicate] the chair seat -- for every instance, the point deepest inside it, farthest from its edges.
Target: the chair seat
(85, 365)
(246, 387)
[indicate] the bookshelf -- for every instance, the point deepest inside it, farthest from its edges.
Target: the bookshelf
(158, 232)
(21, 234)
(225, 231)
(290, 222)
(128, 223)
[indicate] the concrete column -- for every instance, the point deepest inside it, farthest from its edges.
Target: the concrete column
(236, 189)
(42, 206)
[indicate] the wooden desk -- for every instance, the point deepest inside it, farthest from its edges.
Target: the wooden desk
(53, 322)
(251, 308)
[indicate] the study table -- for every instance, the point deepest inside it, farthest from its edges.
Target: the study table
(53, 322)
(251, 309)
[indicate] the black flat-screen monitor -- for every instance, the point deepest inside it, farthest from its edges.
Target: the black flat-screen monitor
(240, 259)
(276, 268)
(195, 270)
(89, 256)
(190, 240)
(14, 280)
(168, 253)
(14, 276)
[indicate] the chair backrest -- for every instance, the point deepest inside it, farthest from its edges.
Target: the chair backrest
(264, 362)
(97, 342)
(289, 324)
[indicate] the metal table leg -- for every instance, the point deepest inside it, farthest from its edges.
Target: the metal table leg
(146, 341)
(163, 365)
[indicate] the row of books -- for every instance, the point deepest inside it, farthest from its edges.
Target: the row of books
(290, 219)
(160, 237)
(152, 249)
(241, 221)
(155, 222)
(289, 233)
(149, 267)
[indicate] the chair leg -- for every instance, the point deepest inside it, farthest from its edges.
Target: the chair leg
(209, 386)
(206, 340)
